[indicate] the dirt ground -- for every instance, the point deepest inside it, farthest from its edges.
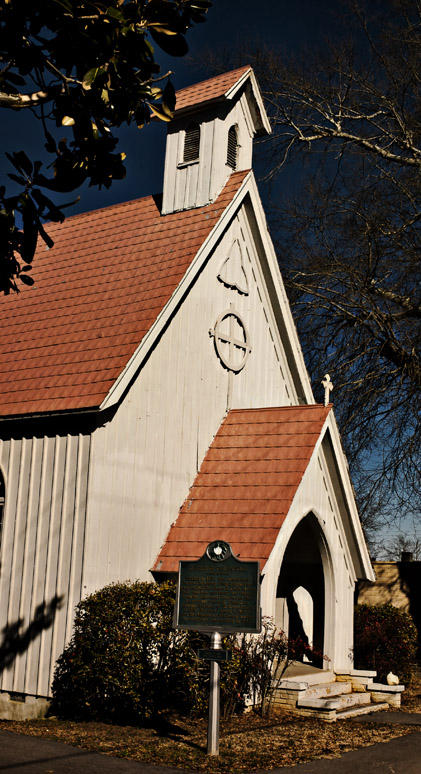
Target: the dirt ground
(247, 742)
(411, 698)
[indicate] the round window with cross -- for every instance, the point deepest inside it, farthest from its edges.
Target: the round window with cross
(231, 340)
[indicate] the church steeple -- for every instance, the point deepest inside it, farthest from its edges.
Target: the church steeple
(211, 136)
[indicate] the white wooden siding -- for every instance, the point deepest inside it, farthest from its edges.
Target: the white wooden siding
(145, 459)
(42, 548)
(196, 183)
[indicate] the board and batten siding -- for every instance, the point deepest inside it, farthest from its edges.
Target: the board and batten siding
(41, 554)
(146, 458)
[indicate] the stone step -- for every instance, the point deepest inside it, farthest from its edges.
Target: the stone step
(304, 673)
(325, 690)
(355, 711)
(318, 677)
(338, 703)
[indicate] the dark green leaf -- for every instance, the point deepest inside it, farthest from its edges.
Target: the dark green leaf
(53, 212)
(26, 279)
(11, 202)
(168, 96)
(50, 145)
(17, 178)
(14, 78)
(30, 230)
(90, 76)
(22, 162)
(158, 111)
(66, 4)
(175, 45)
(115, 14)
(47, 239)
(70, 204)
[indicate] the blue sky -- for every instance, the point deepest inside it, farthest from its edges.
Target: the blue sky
(282, 24)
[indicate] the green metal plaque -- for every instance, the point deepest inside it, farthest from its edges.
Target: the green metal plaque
(218, 592)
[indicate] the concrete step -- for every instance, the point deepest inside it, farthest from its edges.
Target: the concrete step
(326, 690)
(305, 673)
(338, 703)
(318, 677)
(355, 711)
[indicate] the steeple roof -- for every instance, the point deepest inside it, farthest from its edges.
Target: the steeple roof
(216, 88)
(221, 88)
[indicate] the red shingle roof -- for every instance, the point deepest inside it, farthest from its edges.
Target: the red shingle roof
(246, 484)
(211, 89)
(64, 341)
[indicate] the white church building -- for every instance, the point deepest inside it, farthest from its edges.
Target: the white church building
(154, 397)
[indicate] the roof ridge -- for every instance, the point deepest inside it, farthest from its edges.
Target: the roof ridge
(138, 199)
(275, 408)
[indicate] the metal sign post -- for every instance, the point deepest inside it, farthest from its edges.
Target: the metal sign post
(214, 703)
(217, 594)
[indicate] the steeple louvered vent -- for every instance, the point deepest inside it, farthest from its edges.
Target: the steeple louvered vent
(192, 143)
(232, 147)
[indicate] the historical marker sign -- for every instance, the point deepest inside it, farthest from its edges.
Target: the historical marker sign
(218, 593)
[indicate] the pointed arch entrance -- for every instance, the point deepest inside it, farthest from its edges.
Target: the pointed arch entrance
(305, 589)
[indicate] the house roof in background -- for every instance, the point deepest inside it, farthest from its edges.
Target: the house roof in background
(64, 341)
(246, 484)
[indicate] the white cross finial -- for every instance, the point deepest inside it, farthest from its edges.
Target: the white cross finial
(327, 384)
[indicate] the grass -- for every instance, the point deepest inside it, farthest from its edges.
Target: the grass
(247, 743)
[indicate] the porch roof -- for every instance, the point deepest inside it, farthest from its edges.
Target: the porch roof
(246, 484)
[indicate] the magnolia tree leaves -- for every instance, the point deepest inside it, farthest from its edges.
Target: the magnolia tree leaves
(89, 67)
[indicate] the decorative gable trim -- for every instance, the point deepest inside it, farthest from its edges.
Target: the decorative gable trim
(232, 272)
(365, 570)
(276, 301)
(353, 542)
(265, 123)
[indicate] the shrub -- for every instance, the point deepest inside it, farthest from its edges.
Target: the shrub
(385, 639)
(125, 662)
(123, 659)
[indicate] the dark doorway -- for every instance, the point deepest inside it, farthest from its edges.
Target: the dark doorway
(301, 588)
